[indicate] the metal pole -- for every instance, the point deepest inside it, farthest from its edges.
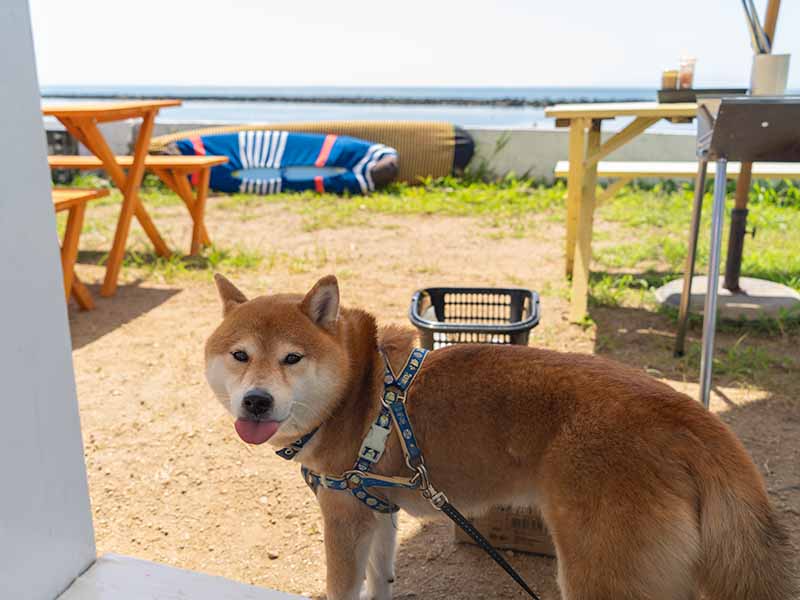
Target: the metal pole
(710, 311)
(688, 273)
(733, 262)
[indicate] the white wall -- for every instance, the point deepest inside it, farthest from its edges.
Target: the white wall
(46, 536)
(535, 152)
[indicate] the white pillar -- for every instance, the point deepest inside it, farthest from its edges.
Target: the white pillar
(46, 536)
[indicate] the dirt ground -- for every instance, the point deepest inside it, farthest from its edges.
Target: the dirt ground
(170, 481)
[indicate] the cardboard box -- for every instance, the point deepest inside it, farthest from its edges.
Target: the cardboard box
(519, 529)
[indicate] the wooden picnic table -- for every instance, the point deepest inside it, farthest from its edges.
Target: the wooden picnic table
(81, 120)
(585, 150)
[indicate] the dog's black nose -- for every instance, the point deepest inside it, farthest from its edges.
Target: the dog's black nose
(257, 402)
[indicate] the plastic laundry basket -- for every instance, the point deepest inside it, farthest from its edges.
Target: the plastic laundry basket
(454, 315)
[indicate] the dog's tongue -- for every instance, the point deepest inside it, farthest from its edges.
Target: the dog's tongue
(256, 432)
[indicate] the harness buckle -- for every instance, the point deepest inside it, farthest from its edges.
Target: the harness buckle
(415, 463)
(353, 478)
(392, 394)
(436, 498)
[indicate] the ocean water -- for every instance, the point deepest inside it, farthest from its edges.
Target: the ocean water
(242, 104)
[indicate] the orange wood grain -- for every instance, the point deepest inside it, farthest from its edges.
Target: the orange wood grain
(185, 164)
(103, 112)
(74, 202)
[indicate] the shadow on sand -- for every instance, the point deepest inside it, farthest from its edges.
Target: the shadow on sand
(130, 301)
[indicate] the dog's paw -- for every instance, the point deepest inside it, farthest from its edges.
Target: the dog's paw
(378, 594)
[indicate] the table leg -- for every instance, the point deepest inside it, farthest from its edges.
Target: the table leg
(199, 233)
(86, 131)
(577, 152)
(583, 246)
(196, 203)
(688, 273)
(69, 247)
(69, 254)
(82, 295)
(710, 311)
(733, 262)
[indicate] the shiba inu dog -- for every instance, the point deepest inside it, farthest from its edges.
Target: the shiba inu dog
(646, 494)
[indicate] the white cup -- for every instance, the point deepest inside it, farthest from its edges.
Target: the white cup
(769, 74)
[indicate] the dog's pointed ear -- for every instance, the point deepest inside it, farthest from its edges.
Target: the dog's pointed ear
(229, 294)
(321, 304)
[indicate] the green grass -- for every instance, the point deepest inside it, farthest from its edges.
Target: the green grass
(210, 260)
(647, 235)
(654, 226)
(507, 204)
(739, 362)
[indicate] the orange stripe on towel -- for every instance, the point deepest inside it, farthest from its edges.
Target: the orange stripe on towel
(318, 185)
(325, 151)
(199, 149)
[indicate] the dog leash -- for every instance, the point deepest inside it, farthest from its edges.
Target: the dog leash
(440, 502)
(358, 479)
(484, 544)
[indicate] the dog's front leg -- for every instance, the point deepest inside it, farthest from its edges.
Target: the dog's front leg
(380, 569)
(349, 529)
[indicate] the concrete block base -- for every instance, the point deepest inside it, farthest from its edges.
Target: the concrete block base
(759, 298)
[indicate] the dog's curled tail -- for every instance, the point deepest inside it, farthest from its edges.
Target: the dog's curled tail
(746, 553)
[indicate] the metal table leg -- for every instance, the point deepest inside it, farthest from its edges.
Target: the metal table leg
(694, 231)
(710, 311)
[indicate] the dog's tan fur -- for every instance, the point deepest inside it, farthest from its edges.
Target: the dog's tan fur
(646, 494)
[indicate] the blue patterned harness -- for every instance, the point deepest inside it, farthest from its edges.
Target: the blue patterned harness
(393, 410)
(359, 478)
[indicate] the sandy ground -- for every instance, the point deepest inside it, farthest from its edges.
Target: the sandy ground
(170, 481)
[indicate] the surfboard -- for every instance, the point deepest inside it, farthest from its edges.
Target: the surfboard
(273, 161)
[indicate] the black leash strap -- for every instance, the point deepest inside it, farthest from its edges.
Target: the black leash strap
(470, 530)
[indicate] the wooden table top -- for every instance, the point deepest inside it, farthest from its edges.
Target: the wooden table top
(611, 110)
(64, 198)
(165, 161)
(107, 111)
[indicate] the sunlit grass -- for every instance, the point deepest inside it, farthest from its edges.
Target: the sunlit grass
(654, 224)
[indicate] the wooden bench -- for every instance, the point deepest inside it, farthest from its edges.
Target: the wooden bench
(174, 172)
(74, 201)
(625, 171)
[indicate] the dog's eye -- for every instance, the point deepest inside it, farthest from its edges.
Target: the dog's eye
(240, 355)
(292, 358)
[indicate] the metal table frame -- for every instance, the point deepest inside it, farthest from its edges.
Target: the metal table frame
(748, 129)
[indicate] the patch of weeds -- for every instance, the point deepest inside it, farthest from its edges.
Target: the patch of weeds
(586, 323)
(239, 258)
(552, 289)
(235, 201)
(480, 170)
(739, 361)
(158, 198)
(616, 290)
(210, 260)
(657, 218)
(625, 254)
(90, 180)
(157, 267)
(308, 262)
(605, 343)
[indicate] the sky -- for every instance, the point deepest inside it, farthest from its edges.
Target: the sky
(401, 43)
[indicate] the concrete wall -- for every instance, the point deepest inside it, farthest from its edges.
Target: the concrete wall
(535, 152)
(527, 151)
(46, 536)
